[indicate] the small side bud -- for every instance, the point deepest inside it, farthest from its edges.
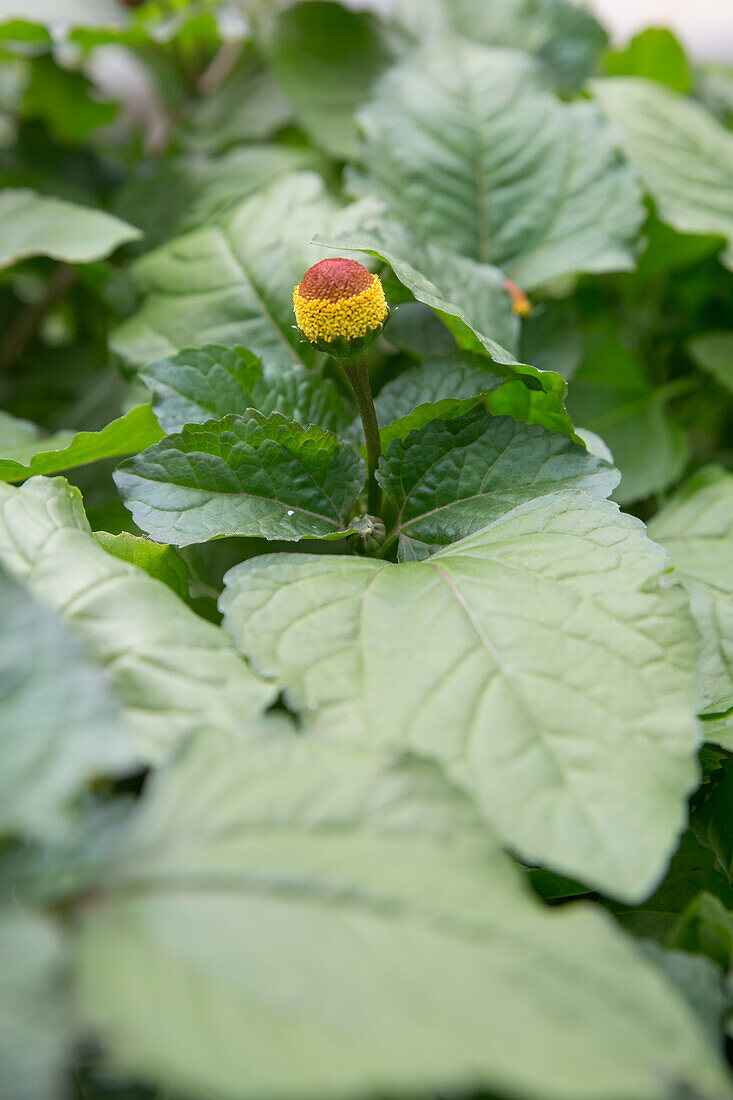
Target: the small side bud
(369, 534)
(521, 304)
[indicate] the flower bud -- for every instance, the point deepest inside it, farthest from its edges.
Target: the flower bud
(521, 304)
(340, 307)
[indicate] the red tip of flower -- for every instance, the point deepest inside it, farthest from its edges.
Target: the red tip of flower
(332, 280)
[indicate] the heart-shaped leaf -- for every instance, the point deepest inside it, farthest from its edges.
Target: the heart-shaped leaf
(538, 660)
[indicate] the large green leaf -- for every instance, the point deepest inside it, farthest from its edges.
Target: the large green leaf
(232, 282)
(34, 1023)
(466, 146)
(611, 395)
(326, 59)
(256, 475)
(41, 225)
(452, 477)
(254, 876)
(538, 660)
(207, 383)
(697, 529)
(567, 38)
(173, 671)
(59, 722)
(132, 432)
(682, 152)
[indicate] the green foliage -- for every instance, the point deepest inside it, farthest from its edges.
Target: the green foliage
(325, 771)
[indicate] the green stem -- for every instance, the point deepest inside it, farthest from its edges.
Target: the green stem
(357, 372)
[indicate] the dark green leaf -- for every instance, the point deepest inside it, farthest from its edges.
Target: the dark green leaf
(453, 477)
(207, 383)
(326, 59)
(243, 475)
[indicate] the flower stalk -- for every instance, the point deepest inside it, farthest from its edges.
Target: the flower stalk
(357, 372)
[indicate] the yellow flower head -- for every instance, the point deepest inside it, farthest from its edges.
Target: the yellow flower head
(340, 306)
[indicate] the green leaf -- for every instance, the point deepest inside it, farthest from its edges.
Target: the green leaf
(173, 671)
(449, 385)
(263, 476)
(698, 980)
(567, 38)
(693, 868)
(611, 395)
(697, 529)
(64, 99)
(713, 352)
(253, 875)
(232, 282)
(467, 147)
(655, 54)
(59, 723)
(705, 928)
(188, 191)
(452, 477)
(247, 107)
(683, 154)
(538, 660)
(34, 1025)
(41, 225)
(326, 60)
(132, 432)
(207, 383)
(163, 563)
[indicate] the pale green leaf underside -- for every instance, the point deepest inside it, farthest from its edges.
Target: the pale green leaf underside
(232, 282)
(253, 877)
(42, 225)
(33, 1030)
(538, 660)
(683, 154)
(132, 432)
(468, 148)
(206, 383)
(173, 671)
(256, 475)
(697, 529)
(452, 477)
(59, 722)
